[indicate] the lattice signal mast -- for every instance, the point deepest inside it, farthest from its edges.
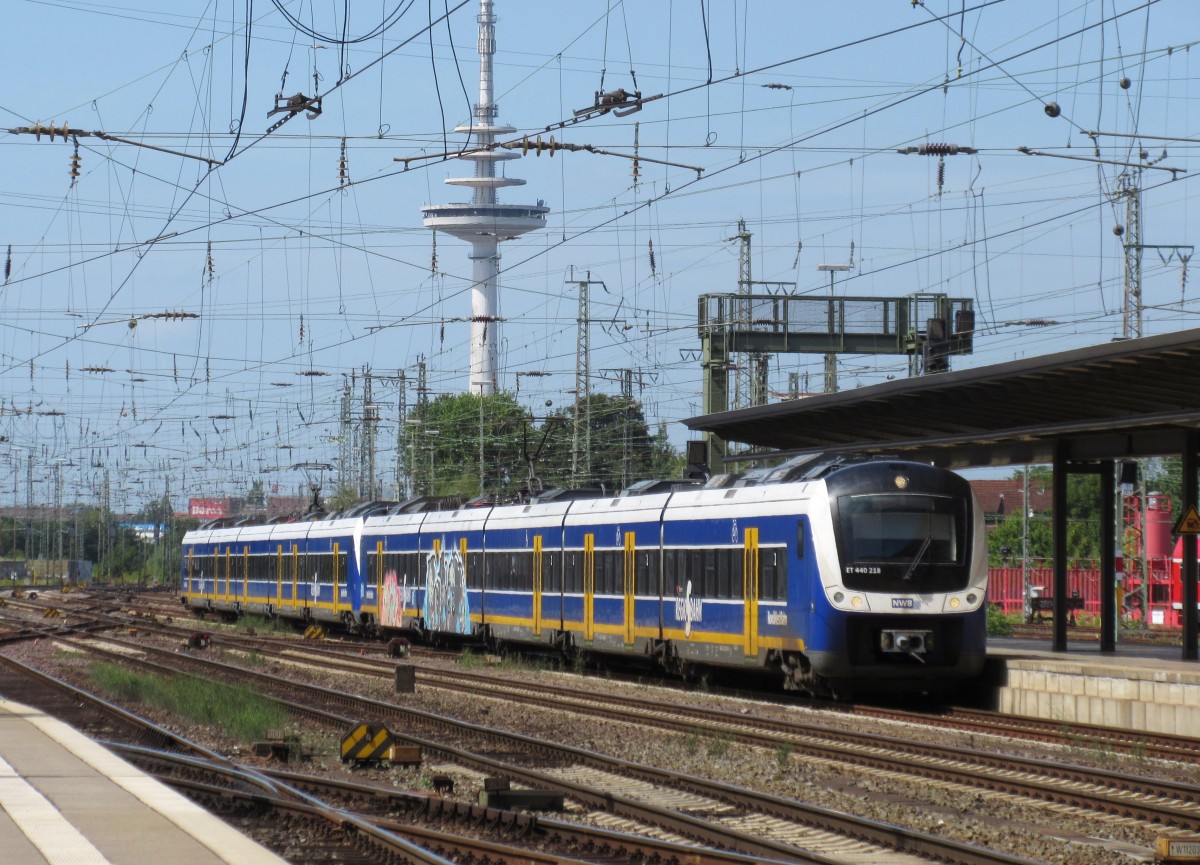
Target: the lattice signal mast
(484, 222)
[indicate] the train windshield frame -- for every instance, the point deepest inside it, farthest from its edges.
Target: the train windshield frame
(910, 541)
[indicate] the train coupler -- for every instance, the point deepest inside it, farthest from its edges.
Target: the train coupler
(913, 643)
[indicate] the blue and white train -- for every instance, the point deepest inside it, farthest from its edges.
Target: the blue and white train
(839, 574)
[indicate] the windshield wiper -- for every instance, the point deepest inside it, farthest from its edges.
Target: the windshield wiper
(920, 555)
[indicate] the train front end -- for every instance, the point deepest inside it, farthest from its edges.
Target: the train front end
(902, 601)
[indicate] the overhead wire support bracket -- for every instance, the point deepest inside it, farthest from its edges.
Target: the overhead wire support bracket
(296, 103)
(37, 130)
(291, 106)
(1174, 171)
(620, 103)
(612, 101)
(538, 146)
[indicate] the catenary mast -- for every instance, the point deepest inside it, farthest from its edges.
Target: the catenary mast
(484, 222)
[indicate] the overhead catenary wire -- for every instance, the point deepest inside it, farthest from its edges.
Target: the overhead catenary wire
(694, 190)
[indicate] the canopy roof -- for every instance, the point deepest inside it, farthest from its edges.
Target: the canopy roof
(1127, 398)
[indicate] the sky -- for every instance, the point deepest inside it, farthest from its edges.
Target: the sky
(184, 314)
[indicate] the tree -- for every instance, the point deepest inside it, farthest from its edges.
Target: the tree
(621, 449)
(344, 497)
(1083, 522)
(444, 439)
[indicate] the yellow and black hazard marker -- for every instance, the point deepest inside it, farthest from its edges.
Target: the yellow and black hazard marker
(314, 632)
(51, 613)
(367, 742)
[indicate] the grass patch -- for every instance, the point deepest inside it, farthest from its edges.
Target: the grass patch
(718, 746)
(783, 753)
(470, 661)
(237, 711)
(264, 625)
(998, 623)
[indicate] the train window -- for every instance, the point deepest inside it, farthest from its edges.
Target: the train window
(737, 573)
(801, 525)
(476, 570)
(522, 578)
(903, 528)
(572, 574)
(551, 572)
(319, 568)
(604, 573)
(524, 570)
(773, 580)
(695, 571)
(709, 584)
(725, 572)
(647, 573)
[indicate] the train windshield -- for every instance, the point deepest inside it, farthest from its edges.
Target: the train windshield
(902, 529)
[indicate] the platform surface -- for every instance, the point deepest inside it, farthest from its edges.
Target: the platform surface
(1137, 659)
(65, 800)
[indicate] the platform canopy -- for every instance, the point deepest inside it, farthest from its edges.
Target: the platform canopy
(1128, 398)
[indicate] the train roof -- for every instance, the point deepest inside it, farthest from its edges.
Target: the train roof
(432, 512)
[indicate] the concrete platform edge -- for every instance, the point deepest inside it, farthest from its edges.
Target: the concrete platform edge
(225, 842)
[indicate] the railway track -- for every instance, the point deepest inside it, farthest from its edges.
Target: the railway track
(1143, 745)
(355, 824)
(1154, 801)
(1140, 744)
(708, 812)
(1147, 800)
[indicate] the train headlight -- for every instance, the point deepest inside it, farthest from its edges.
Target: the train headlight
(856, 602)
(954, 603)
(838, 597)
(971, 598)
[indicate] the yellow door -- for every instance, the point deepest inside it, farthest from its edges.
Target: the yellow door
(630, 584)
(379, 583)
(295, 571)
(336, 575)
(245, 574)
(537, 585)
(750, 580)
(278, 575)
(589, 586)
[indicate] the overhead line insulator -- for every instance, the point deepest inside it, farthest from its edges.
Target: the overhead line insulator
(937, 150)
(73, 173)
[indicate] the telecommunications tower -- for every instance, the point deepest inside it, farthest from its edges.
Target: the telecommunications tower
(484, 222)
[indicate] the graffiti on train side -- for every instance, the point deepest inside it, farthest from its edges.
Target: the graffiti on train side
(446, 605)
(397, 595)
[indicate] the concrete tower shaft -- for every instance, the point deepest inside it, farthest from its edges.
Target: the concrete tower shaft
(484, 222)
